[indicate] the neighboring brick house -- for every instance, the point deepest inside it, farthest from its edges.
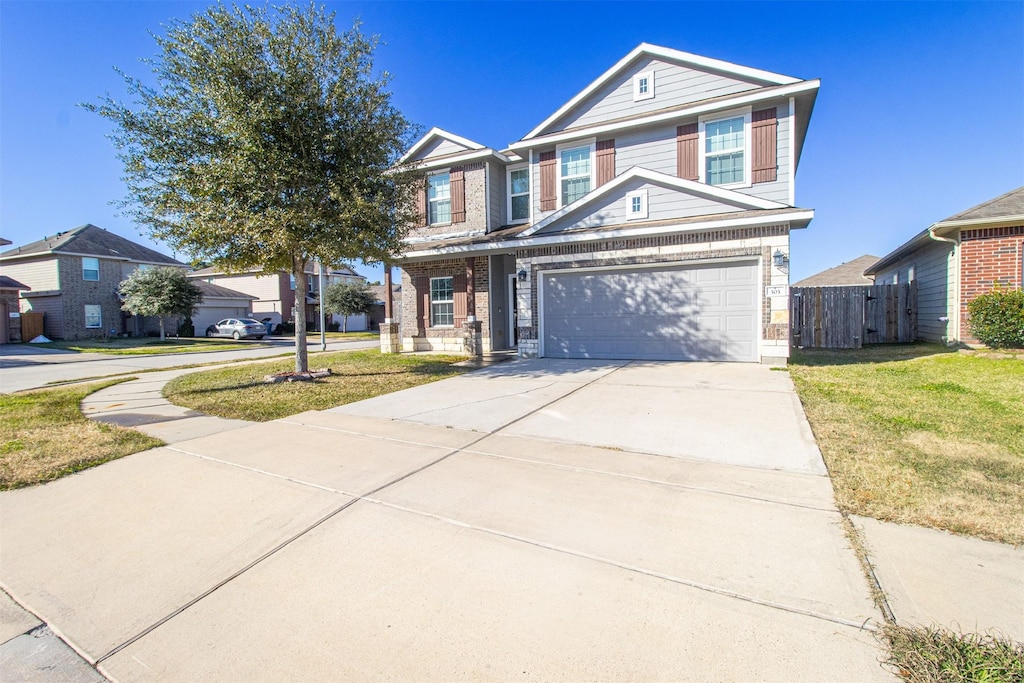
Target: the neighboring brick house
(274, 293)
(73, 278)
(957, 259)
(849, 274)
(645, 218)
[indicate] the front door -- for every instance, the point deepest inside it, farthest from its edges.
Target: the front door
(513, 313)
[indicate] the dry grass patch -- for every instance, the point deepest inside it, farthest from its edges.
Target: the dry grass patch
(915, 434)
(239, 392)
(44, 436)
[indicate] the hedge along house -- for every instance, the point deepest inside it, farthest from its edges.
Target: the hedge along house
(957, 259)
(647, 218)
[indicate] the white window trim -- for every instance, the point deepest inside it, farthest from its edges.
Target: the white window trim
(702, 145)
(639, 96)
(90, 258)
(592, 144)
(86, 311)
(447, 172)
(642, 213)
(529, 192)
(430, 296)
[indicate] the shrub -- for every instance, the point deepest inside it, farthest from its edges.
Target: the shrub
(285, 328)
(187, 328)
(334, 326)
(996, 318)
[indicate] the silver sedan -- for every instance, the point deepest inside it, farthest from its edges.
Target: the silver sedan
(237, 328)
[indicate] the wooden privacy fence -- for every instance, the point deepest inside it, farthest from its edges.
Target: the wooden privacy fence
(31, 325)
(849, 317)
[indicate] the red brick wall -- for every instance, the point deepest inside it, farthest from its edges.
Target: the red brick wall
(988, 256)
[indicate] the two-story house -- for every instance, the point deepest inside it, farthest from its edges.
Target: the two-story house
(72, 278)
(647, 218)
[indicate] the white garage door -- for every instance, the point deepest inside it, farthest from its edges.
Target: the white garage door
(207, 315)
(676, 313)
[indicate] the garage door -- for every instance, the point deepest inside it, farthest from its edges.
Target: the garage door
(676, 313)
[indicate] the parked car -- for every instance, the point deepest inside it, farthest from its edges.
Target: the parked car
(238, 328)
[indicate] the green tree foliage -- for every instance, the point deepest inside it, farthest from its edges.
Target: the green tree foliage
(266, 141)
(996, 318)
(348, 298)
(159, 292)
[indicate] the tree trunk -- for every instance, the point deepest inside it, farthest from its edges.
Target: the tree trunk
(161, 328)
(344, 323)
(301, 358)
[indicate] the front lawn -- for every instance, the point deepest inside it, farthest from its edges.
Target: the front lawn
(44, 436)
(919, 434)
(239, 392)
(141, 346)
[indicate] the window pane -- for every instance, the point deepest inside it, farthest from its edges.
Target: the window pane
(520, 181)
(439, 186)
(441, 289)
(724, 135)
(643, 86)
(521, 207)
(725, 169)
(574, 188)
(637, 204)
(442, 314)
(93, 316)
(441, 211)
(576, 161)
(90, 269)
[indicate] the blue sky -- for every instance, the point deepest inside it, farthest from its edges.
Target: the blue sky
(920, 113)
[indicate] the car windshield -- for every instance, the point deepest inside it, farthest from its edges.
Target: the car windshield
(250, 321)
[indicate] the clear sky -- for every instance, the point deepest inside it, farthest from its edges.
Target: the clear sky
(920, 113)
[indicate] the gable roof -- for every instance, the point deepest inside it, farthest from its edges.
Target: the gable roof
(745, 201)
(668, 54)
(436, 133)
(90, 240)
(1007, 205)
(211, 290)
(845, 274)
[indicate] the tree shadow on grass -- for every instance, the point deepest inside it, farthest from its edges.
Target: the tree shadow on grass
(871, 353)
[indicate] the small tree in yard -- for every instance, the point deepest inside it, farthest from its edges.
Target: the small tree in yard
(159, 292)
(997, 318)
(348, 298)
(266, 142)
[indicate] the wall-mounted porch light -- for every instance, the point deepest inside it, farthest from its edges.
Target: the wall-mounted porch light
(780, 260)
(522, 275)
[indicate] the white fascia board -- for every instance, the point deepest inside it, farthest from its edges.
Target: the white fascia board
(750, 97)
(638, 173)
(436, 132)
(802, 216)
(445, 162)
(670, 55)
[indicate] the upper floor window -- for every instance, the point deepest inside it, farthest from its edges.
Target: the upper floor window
(93, 316)
(90, 269)
(643, 86)
(442, 301)
(636, 205)
(574, 172)
(439, 198)
(725, 151)
(518, 195)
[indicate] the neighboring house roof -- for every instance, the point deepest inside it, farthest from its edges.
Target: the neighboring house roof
(4, 242)
(90, 240)
(11, 283)
(846, 274)
(378, 291)
(1004, 210)
(310, 269)
(216, 291)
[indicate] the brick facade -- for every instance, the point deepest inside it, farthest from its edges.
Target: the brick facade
(444, 338)
(988, 256)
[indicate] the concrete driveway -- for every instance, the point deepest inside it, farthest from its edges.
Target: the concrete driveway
(555, 520)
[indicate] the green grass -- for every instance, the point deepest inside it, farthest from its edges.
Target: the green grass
(929, 655)
(44, 436)
(918, 434)
(142, 346)
(239, 392)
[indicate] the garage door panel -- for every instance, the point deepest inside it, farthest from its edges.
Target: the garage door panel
(688, 313)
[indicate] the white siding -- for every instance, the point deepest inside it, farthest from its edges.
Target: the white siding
(934, 271)
(440, 147)
(41, 276)
(497, 198)
(264, 287)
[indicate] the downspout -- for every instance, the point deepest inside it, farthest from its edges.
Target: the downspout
(955, 318)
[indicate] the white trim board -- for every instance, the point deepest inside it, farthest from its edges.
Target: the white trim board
(436, 132)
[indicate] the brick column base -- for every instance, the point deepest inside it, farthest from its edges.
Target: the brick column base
(389, 339)
(472, 342)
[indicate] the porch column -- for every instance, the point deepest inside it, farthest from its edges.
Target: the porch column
(470, 289)
(471, 331)
(389, 340)
(387, 293)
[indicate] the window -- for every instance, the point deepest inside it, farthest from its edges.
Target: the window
(518, 195)
(643, 86)
(910, 274)
(93, 316)
(724, 150)
(636, 205)
(90, 269)
(574, 172)
(439, 198)
(291, 282)
(442, 301)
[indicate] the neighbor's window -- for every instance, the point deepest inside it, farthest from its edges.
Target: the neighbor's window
(93, 316)
(724, 149)
(439, 197)
(574, 170)
(442, 301)
(90, 269)
(519, 195)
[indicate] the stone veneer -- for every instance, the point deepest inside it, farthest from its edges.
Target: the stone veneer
(476, 208)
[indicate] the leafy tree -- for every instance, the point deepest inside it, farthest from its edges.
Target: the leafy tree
(996, 318)
(159, 292)
(267, 141)
(348, 298)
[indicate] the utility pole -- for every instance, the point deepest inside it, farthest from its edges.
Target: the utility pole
(323, 316)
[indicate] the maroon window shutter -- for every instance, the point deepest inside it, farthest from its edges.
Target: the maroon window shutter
(764, 166)
(687, 157)
(460, 299)
(421, 285)
(421, 204)
(605, 161)
(547, 181)
(457, 179)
